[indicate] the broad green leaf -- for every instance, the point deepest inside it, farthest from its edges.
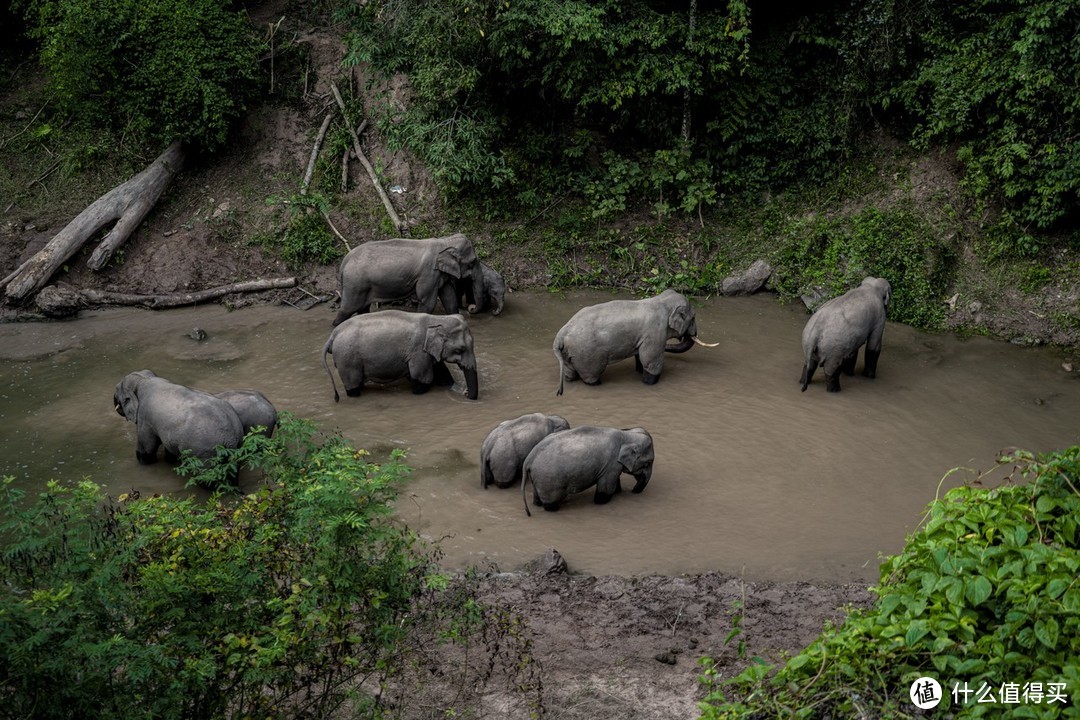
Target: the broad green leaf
(977, 590)
(1046, 631)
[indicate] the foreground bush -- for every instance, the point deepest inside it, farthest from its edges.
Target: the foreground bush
(984, 599)
(299, 600)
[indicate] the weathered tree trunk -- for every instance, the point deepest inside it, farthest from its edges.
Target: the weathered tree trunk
(127, 204)
(60, 301)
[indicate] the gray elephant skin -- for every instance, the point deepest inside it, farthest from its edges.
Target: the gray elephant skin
(574, 460)
(835, 332)
(608, 332)
(393, 344)
(253, 409)
(493, 296)
(175, 417)
(510, 442)
(398, 269)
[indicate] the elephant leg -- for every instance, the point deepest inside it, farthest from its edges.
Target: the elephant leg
(848, 365)
(602, 498)
(551, 507)
(870, 369)
(419, 388)
(832, 382)
(442, 374)
(449, 296)
(637, 363)
(170, 456)
(648, 378)
(354, 391)
(146, 447)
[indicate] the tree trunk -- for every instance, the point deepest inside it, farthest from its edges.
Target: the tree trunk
(61, 301)
(127, 204)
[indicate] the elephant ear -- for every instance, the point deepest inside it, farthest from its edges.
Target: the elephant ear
(435, 341)
(630, 456)
(679, 318)
(127, 394)
(449, 261)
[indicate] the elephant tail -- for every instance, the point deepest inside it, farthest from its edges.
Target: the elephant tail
(809, 367)
(326, 349)
(562, 364)
(525, 477)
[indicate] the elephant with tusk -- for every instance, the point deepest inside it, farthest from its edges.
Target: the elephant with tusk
(608, 332)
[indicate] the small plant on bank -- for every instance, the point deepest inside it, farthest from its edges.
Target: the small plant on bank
(984, 597)
(302, 599)
(305, 236)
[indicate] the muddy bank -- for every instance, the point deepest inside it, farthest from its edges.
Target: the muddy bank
(628, 648)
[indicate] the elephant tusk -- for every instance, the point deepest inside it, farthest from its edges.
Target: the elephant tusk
(703, 344)
(117, 408)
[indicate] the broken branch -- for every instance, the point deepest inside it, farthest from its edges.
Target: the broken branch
(315, 153)
(367, 166)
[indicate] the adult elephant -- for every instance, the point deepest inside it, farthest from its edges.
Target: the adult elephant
(253, 409)
(605, 333)
(574, 460)
(393, 344)
(835, 332)
(175, 417)
(398, 269)
(509, 443)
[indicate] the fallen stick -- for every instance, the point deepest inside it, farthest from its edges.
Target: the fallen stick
(367, 166)
(315, 153)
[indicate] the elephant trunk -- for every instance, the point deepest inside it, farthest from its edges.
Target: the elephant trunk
(477, 280)
(642, 478)
(685, 343)
(472, 384)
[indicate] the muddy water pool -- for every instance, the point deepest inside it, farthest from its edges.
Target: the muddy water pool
(752, 477)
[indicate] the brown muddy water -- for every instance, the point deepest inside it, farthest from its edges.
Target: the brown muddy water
(752, 477)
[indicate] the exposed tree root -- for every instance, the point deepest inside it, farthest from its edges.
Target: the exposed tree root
(64, 300)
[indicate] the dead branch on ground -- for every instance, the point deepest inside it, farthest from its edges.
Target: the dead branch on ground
(401, 227)
(315, 152)
(59, 300)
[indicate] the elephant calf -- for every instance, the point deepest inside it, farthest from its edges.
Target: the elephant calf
(253, 409)
(175, 417)
(392, 344)
(574, 460)
(493, 296)
(605, 333)
(835, 332)
(506, 447)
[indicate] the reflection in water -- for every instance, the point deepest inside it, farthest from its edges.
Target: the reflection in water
(752, 476)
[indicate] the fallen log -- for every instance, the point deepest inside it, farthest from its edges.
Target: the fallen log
(127, 204)
(64, 300)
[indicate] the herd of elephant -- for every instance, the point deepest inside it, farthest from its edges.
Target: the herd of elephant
(535, 448)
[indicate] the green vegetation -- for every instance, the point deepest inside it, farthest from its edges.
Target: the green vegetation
(302, 599)
(153, 71)
(986, 592)
(305, 235)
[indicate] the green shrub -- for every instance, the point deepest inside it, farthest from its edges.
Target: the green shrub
(156, 71)
(305, 236)
(985, 593)
(835, 254)
(276, 604)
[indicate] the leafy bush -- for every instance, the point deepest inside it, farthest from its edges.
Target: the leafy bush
(835, 254)
(157, 71)
(305, 236)
(999, 79)
(283, 603)
(986, 593)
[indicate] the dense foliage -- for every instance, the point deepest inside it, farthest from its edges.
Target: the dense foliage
(156, 71)
(683, 104)
(1002, 80)
(985, 595)
(277, 604)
